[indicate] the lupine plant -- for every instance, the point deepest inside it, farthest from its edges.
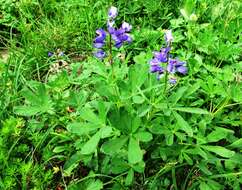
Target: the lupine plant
(121, 117)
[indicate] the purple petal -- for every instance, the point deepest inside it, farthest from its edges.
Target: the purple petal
(154, 62)
(98, 45)
(182, 70)
(100, 32)
(160, 56)
(116, 38)
(125, 37)
(172, 81)
(180, 63)
(111, 30)
(119, 32)
(126, 26)
(113, 12)
(99, 39)
(118, 44)
(171, 66)
(156, 68)
(50, 54)
(100, 54)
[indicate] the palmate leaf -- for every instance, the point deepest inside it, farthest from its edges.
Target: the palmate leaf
(114, 145)
(37, 99)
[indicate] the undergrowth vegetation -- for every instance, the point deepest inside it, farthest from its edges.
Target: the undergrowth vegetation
(120, 94)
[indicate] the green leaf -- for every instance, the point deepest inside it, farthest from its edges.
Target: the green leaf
(88, 115)
(135, 154)
(176, 96)
(130, 177)
(112, 146)
(192, 89)
(139, 167)
(188, 159)
(143, 136)
(237, 144)
(106, 132)
(204, 186)
(72, 163)
(197, 151)
(59, 149)
(183, 124)
(204, 168)
(95, 185)
(138, 72)
(221, 151)
(218, 134)
(191, 110)
(27, 110)
(91, 145)
(37, 99)
(82, 128)
(169, 139)
(118, 165)
(138, 99)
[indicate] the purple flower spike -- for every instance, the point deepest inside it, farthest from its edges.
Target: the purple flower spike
(126, 26)
(120, 36)
(99, 40)
(168, 36)
(50, 54)
(113, 12)
(162, 62)
(100, 54)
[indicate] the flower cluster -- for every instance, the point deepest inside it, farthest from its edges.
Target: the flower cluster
(99, 42)
(162, 61)
(119, 36)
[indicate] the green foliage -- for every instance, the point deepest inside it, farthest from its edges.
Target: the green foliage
(75, 122)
